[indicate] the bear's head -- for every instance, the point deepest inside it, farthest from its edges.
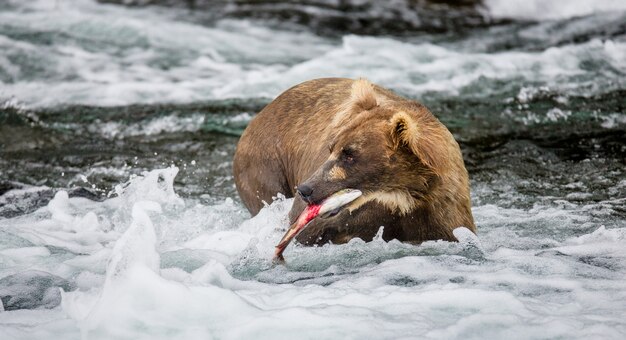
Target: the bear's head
(397, 154)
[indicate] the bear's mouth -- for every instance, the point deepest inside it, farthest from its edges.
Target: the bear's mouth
(330, 206)
(331, 213)
(333, 204)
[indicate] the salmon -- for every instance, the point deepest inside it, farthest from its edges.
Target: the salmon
(329, 206)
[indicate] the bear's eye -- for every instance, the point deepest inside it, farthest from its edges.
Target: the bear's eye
(347, 155)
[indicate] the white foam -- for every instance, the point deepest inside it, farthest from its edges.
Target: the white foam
(613, 120)
(25, 253)
(550, 10)
(124, 59)
(234, 59)
(164, 124)
(530, 271)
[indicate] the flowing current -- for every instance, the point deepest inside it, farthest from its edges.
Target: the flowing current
(118, 212)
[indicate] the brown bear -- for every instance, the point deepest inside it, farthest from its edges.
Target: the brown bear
(325, 135)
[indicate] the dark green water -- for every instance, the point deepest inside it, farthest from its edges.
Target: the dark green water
(91, 149)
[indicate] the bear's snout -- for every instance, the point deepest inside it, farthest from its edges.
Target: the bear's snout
(305, 191)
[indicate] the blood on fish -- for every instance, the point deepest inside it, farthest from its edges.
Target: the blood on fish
(311, 212)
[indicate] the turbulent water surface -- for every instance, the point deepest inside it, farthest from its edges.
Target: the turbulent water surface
(118, 212)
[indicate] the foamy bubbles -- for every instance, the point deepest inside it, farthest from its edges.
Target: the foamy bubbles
(149, 264)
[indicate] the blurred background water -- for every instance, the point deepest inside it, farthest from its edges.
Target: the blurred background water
(119, 120)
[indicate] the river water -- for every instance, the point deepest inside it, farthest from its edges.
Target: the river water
(118, 212)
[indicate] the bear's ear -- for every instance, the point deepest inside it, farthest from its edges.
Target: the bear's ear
(362, 95)
(424, 138)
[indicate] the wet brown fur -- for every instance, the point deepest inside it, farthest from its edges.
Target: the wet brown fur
(335, 133)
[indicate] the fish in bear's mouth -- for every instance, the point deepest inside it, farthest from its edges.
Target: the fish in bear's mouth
(328, 207)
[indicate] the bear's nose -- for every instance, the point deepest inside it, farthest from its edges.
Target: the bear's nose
(305, 191)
